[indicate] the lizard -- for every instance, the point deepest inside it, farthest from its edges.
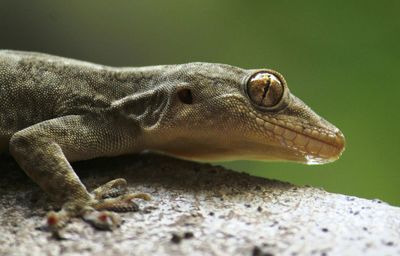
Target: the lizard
(56, 110)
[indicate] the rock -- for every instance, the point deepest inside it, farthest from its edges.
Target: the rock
(199, 209)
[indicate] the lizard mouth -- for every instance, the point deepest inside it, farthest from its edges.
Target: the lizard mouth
(316, 147)
(312, 146)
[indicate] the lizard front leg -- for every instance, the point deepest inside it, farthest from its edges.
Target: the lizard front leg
(43, 151)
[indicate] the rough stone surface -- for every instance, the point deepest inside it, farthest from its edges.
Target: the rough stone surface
(199, 209)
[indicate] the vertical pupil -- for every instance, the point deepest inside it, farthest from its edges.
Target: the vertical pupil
(265, 89)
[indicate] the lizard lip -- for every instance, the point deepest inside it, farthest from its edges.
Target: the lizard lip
(312, 146)
(319, 150)
(315, 147)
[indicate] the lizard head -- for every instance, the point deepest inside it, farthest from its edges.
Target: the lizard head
(218, 111)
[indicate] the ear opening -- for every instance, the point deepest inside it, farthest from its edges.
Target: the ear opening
(185, 95)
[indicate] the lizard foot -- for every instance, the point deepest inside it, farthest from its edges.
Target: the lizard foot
(99, 214)
(111, 196)
(103, 220)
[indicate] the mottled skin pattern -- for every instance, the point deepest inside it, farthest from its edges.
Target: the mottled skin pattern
(56, 110)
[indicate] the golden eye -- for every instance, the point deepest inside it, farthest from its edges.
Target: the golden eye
(265, 89)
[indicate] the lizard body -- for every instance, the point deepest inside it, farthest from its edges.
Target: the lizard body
(56, 110)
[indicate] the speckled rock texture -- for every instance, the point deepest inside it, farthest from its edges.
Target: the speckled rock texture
(199, 209)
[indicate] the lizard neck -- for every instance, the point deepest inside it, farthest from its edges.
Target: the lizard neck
(104, 85)
(137, 78)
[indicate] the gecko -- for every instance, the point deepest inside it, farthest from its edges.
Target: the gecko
(56, 110)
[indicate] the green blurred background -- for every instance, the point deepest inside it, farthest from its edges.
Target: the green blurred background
(341, 57)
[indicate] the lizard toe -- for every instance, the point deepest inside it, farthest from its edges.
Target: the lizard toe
(56, 221)
(112, 188)
(102, 220)
(122, 203)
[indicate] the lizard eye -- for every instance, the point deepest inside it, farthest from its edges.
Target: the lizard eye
(265, 89)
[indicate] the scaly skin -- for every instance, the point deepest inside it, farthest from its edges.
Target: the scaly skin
(56, 110)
